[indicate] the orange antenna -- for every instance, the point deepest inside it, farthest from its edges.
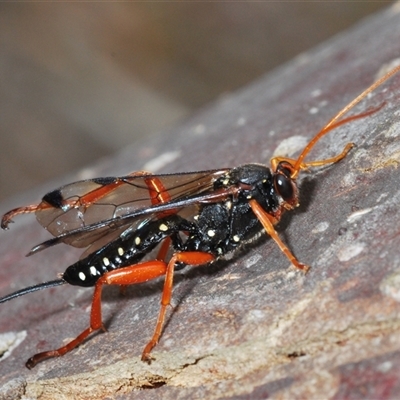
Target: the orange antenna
(335, 121)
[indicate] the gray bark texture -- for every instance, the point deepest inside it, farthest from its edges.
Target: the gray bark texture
(251, 327)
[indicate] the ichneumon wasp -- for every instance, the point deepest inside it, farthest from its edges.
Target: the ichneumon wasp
(202, 216)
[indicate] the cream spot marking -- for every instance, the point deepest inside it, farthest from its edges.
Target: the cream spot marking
(93, 270)
(137, 241)
(211, 233)
(82, 276)
(120, 251)
(163, 228)
(106, 261)
(236, 238)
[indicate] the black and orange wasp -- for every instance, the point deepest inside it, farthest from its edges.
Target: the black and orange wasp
(202, 216)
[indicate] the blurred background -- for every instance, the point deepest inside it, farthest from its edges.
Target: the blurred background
(78, 81)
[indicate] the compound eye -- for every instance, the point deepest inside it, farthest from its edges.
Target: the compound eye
(284, 187)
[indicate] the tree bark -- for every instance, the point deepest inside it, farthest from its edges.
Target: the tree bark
(251, 327)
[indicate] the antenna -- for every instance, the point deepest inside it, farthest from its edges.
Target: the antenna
(335, 121)
(33, 288)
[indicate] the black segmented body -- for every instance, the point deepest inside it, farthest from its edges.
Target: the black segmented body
(218, 228)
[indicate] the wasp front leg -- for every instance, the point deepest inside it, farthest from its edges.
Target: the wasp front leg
(268, 223)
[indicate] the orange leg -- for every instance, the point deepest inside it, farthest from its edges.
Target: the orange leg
(126, 276)
(133, 274)
(267, 222)
(162, 253)
(161, 256)
(193, 258)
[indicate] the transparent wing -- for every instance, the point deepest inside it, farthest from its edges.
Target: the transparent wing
(99, 210)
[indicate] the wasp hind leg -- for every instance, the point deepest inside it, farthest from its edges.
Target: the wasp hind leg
(125, 276)
(137, 273)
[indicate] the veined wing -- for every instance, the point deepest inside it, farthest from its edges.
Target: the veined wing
(83, 212)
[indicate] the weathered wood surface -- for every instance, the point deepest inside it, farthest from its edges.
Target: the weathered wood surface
(251, 327)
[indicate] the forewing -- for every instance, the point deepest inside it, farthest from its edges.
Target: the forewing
(83, 212)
